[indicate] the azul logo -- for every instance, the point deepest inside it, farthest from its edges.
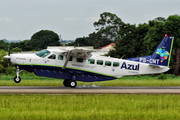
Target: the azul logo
(130, 66)
(163, 53)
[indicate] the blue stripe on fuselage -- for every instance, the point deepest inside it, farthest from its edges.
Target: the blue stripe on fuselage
(68, 73)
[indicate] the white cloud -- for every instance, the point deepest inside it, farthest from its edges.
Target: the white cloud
(92, 19)
(5, 19)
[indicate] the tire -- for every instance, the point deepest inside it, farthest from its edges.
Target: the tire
(72, 83)
(66, 83)
(17, 79)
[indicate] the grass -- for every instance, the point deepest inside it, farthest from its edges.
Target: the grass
(150, 80)
(88, 107)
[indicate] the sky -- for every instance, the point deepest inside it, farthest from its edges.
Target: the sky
(20, 19)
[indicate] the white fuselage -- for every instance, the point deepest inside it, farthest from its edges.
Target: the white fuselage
(102, 65)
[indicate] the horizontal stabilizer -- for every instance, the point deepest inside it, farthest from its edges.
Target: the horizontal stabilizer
(156, 66)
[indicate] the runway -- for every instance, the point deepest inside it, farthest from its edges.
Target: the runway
(87, 90)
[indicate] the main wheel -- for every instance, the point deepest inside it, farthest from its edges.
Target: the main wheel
(72, 83)
(17, 79)
(66, 83)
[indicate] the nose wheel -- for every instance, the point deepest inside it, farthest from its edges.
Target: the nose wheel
(17, 79)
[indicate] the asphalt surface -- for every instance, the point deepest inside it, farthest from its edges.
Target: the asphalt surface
(87, 90)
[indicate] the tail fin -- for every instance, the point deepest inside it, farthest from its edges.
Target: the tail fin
(163, 51)
(161, 55)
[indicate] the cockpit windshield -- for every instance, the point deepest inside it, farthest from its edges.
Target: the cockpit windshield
(43, 53)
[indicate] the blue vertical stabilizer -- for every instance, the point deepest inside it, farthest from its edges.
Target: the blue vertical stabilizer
(161, 55)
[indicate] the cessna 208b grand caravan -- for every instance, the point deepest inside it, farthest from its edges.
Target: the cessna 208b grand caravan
(78, 64)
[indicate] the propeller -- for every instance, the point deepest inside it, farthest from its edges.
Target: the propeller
(9, 53)
(7, 57)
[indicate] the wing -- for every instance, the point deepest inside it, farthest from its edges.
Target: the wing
(81, 53)
(77, 52)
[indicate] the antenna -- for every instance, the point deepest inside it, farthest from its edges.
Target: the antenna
(122, 56)
(60, 40)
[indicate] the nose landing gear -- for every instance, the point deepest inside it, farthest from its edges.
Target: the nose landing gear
(17, 78)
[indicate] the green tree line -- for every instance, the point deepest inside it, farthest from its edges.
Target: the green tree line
(135, 40)
(40, 40)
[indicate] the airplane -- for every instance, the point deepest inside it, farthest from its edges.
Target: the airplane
(78, 64)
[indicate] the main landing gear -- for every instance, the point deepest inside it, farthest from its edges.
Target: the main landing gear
(70, 83)
(17, 78)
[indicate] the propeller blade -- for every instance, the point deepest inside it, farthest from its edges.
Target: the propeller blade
(9, 49)
(8, 62)
(9, 53)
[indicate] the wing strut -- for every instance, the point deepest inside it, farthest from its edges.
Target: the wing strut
(68, 57)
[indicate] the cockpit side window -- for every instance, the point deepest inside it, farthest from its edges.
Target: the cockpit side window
(43, 53)
(52, 57)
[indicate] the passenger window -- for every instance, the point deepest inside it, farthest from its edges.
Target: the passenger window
(108, 63)
(91, 61)
(60, 57)
(79, 60)
(115, 64)
(99, 62)
(52, 57)
(71, 58)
